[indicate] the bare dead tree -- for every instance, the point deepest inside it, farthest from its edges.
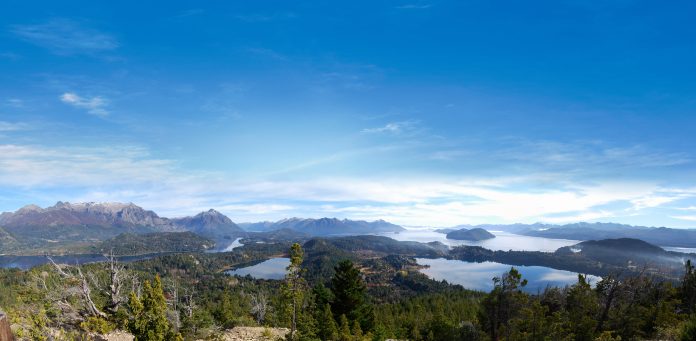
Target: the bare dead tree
(83, 284)
(173, 302)
(117, 277)
(259, 306)
(189, 302)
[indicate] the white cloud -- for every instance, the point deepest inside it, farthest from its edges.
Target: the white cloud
(15, 103)
(10, 126)
(66, 37)
(392, 128)
(128, 173)
(685, 217)
(95, 105)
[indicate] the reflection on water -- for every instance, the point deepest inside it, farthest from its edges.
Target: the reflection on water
(503, 241)
(478, 276)
(235, 244)
(28, 262)
(680, 249)
(273, 268)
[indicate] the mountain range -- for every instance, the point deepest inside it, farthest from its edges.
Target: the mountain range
(588, 231)
(325, 226)
(64, 223)
(33, 227)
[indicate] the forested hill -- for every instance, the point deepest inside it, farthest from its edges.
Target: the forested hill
(348, 288)
(137, 244)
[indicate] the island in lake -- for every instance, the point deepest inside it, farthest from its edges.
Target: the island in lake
(475, 234)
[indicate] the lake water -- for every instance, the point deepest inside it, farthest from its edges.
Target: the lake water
(503, 241)
(273, 268)
(235, 244)
(27, 262)
(479, 276)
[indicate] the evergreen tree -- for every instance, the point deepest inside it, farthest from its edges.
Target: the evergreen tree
(582, 309)
(322, 295)
(344, 331)
(326, 325)
(688, 288)
(504, 303)
(356, 331)
(350, 295)
(149, 314)
(294, 290)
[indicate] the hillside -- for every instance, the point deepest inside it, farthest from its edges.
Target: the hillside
(7, 242)
(134, 244)
(475, 234)
(326, 226)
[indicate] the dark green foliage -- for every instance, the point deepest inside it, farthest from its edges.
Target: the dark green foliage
(504, 303)
(368, 283)
(136, 244)
(326, 325)
(149, 311)
(350, 297)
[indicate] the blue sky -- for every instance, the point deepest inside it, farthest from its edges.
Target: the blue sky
(419, 112)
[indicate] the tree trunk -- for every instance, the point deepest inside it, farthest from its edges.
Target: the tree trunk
(5, 331)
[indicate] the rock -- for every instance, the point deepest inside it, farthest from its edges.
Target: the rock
(255, 334)
(5, 331)
(113, 336)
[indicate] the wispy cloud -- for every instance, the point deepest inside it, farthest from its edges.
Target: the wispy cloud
(264, 52)
(685, 217)
(94, 105)
(265, 17)
(14, 102)
(393, 128)
(10, 56)
(414, 6)
(188, 13)
(12, 126)
(129, 173)
(66, 37)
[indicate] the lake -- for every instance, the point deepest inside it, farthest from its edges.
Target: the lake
(503, 241)
(235, 244)
(478, 276)
(273, 268)
(28, 262)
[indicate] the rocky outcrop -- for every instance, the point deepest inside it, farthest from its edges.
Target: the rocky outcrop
(5, 331)
(112, 215)
(113, 336)
(255, 334)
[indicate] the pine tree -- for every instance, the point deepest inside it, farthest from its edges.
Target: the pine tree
(294, 291)
(503, 303)
(350, 295)
(356, 331)
(344, 332)
(149, 314)
(326, 324)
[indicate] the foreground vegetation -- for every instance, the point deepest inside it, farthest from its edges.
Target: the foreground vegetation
(335, 290)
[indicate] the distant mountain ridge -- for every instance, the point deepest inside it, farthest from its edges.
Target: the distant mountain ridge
(211, 224)
(325, 226)
(87, 214)
(63, 223)
(590, 231)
